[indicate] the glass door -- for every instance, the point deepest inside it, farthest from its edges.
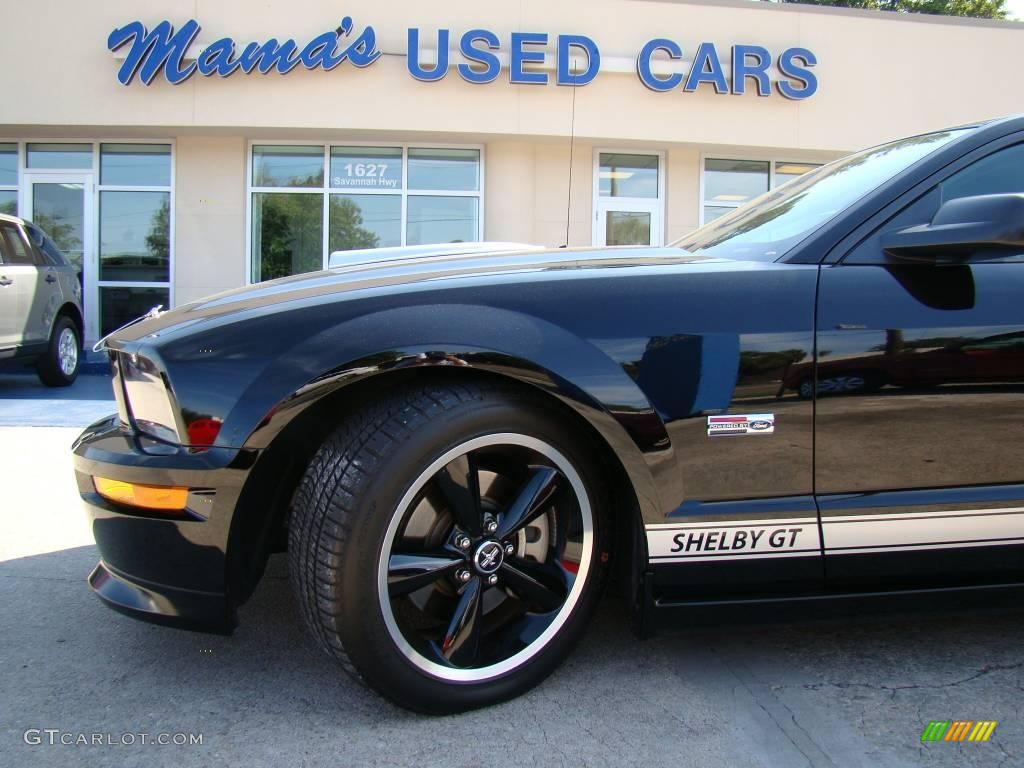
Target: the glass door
(61, 203)
(621, 223)
(628, 198)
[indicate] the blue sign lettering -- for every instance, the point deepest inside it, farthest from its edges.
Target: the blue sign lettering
(521, 57)
(168, 50)
(706, 68)
(412, 57)
(742, 69)
(163, 49)
(565, 43)
(789, 65)
(492, 65)
(643, 65)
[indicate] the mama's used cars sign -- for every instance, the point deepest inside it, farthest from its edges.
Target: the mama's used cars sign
(660, 64)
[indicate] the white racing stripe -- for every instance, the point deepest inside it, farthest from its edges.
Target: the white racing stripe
(734, 539)
(923, 530)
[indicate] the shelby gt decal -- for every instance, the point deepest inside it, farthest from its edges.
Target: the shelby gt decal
(752, 538)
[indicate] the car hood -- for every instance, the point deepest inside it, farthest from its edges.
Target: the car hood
(396, 276)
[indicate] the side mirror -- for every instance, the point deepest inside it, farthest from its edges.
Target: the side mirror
(962, 228)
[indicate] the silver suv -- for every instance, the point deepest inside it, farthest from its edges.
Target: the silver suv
(40, 303)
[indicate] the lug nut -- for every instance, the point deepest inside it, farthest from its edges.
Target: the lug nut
(463, 576)
(490, 526)
(492, 579)
(462, 542)
(510, 550)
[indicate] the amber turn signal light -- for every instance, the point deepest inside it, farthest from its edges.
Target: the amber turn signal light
(146, 496)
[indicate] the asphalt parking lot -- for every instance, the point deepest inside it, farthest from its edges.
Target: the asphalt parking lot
(850, 691)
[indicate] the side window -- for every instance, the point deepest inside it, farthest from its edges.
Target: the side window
(17, 248)
(45, 246)
(1002, 172)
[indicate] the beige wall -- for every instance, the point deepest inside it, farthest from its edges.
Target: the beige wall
(209, 230)
(881, 75)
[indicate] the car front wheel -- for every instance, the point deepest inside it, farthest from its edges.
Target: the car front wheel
(446, 544)
(58, 367)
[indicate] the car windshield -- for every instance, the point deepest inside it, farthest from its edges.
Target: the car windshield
(772, 224)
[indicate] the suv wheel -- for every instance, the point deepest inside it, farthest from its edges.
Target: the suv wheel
(445, 545)
(58, 367)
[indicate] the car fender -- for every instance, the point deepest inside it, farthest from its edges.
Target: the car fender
(511, 344)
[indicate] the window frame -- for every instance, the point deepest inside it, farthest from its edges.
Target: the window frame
(93, 285)
(655, 206)
(326, 190)
(772, 160)
(20, 159)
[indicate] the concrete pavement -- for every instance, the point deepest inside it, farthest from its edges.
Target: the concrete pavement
(854, 691)
(25, 401)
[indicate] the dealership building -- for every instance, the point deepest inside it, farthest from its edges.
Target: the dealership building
(175, 150)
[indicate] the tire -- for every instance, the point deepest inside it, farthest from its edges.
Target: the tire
(58, 367)
(385, 582)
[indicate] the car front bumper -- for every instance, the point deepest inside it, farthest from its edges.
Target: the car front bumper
(164, 567)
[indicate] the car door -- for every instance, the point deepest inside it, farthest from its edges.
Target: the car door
(25, 291)
(919, 477)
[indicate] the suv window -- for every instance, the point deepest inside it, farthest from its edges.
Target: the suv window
(1002, 172)
(45, 245)
(17, 249)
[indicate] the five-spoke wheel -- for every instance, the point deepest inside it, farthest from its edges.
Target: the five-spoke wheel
(483, 556)
(446, 543)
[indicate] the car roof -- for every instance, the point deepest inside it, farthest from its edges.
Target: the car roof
(12, 219)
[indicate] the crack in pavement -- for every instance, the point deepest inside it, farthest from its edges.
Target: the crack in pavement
(892, 689)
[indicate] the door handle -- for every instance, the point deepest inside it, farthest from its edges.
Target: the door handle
(5, 280)
(51, 279)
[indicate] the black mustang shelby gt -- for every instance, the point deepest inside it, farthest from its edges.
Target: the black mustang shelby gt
(455, 449)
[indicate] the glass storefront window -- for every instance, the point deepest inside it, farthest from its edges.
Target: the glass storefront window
(135, 165)
(729, 184)
(9, 201)
(63, 156)
(786, 171)
(287, 234)
(436, 219)
(119, 304)
(361, 200)
(364, 221)
(734, 181)
(627, 175)
(287, 166)
(444, 169)
(366, 167)
(9, 164)
(135, 230)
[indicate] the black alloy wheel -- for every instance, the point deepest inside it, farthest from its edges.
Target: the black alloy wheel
(445, 545)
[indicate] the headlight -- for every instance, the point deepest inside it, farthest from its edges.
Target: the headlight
(148, 398)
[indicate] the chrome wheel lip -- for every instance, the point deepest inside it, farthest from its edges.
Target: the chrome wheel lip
(482, 674)
(67, 351)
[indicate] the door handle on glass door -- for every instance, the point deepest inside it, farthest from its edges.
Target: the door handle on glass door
(51, 279)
